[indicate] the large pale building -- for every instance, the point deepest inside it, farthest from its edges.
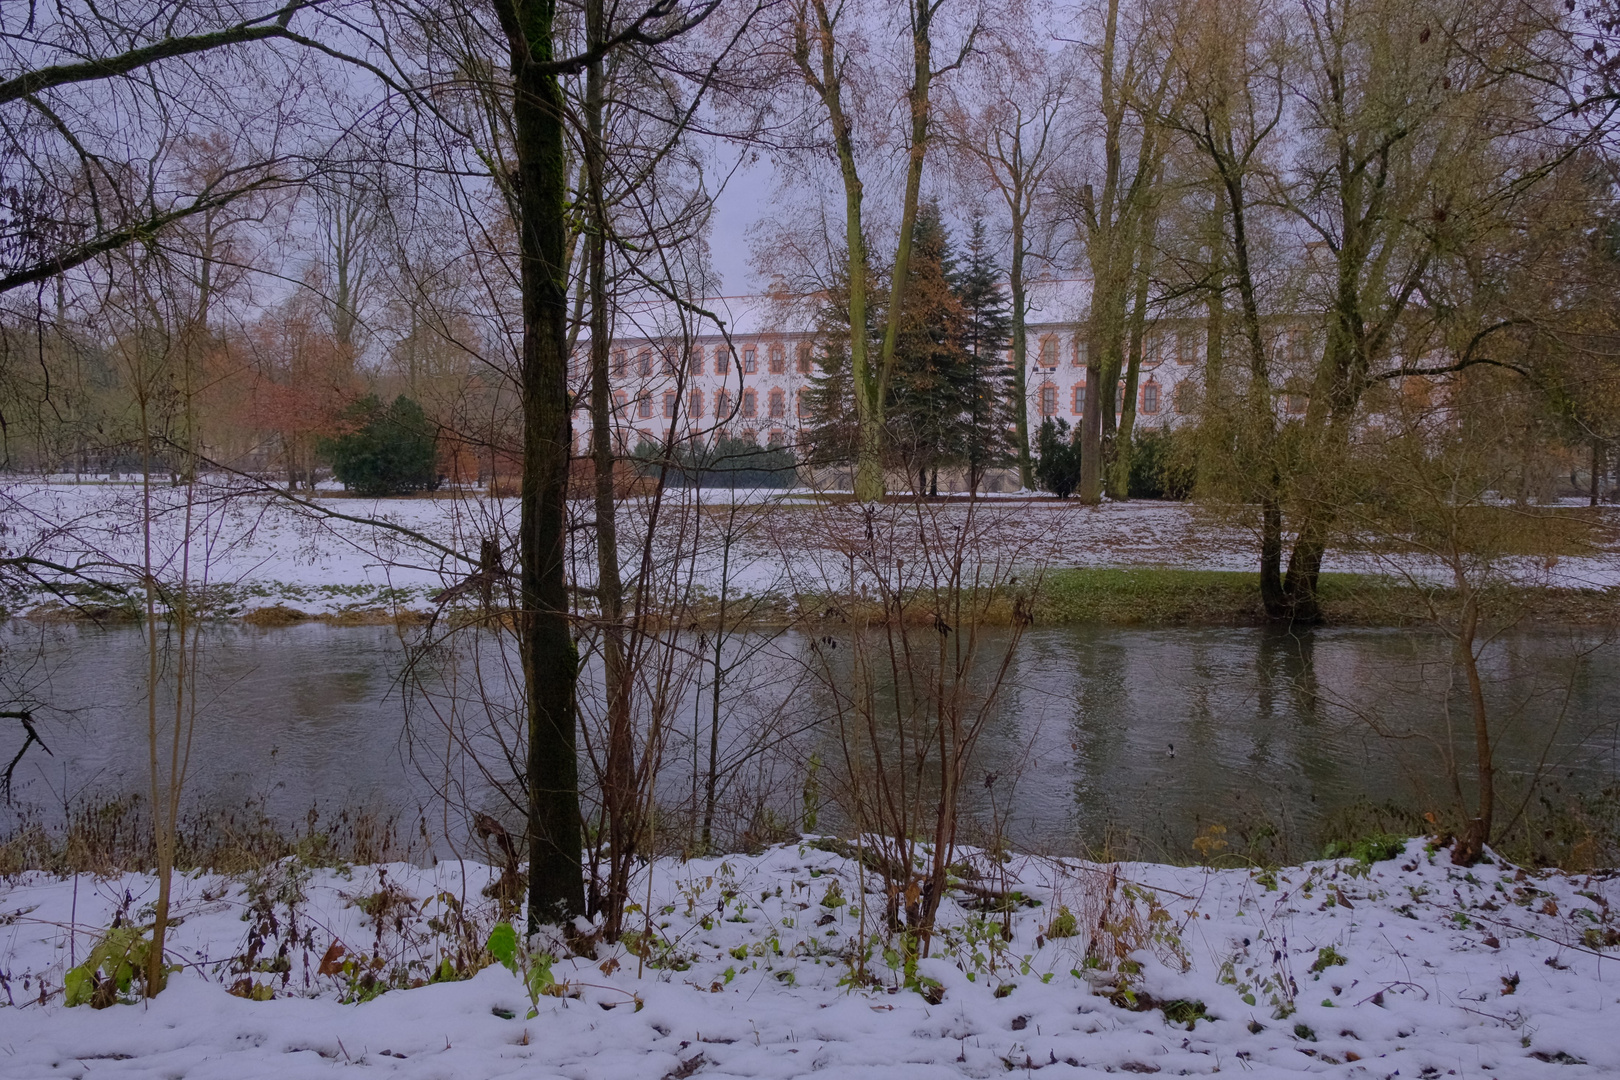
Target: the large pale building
(753, 380)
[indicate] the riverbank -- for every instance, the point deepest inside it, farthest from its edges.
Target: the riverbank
(271, 561)
(1164, 596)
(771, 965)
(1138, 596)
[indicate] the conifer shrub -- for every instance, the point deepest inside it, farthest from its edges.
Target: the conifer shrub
(1057, 458)
(392, 451)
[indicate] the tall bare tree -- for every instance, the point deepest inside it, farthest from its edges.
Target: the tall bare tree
(822, 37)
(1009, 128)
(1115, 213)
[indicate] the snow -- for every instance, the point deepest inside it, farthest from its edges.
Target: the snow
(746, 963)
(262, 549)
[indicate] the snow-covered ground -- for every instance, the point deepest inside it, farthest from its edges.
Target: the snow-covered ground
(1414, 968)
(331, 555)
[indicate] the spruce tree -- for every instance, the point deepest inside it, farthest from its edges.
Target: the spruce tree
(987, 438)
(928, 399)
(829, 433)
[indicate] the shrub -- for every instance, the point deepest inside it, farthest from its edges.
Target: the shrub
(1162, 465)
(1376, 847)
(393, 451)
(1057, 458)
(729, 463)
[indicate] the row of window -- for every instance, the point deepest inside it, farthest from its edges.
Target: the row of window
(1149, 403)
(747, 406)
(697, 359)
(1151, 399)
(1182, 347)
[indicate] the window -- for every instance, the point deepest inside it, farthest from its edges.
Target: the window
(1184, 398)
(1079, 405)
(694, 403)
(722, 404)
(778, 403)
(750, 359)
(644, 362)
(670, 354)
(803, 404)
(1048, 400)
(1082, 351)
(1150, 398)
(644, 406)
(1298, 344)
(778, 359)
(750, 404)
(620, 400)
(670, 400)
(621, 362)
(694, 360)
(1153, 350)
(722, 362)
(1049, 351)
(807, 358)
(1186, 347)
(775, 439)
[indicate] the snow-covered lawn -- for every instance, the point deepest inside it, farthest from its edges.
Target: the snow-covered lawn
(1412, 968)
(333, 555)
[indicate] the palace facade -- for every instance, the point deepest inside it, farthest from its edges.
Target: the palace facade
(754, 382)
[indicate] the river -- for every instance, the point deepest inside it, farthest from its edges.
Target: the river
(1139, 742)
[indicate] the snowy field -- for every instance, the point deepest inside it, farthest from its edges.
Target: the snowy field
(1411, 968)
(333, 555)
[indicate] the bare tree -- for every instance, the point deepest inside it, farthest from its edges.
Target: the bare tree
(1117, 223)
(822, 41)
(1009, 133)
(93, 97)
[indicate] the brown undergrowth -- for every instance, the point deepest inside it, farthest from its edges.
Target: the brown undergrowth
(115, 836)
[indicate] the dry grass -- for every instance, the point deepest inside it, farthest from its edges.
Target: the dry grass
(111, 837)
(275, 615)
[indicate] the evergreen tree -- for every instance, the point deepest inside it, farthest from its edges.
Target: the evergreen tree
(394, 451)
(987, 438)
(829, 432)
(1057, 458)
(928, 394)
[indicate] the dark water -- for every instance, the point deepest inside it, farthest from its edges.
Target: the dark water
(1140, 739)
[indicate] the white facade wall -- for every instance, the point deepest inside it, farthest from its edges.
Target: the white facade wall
(760, 382)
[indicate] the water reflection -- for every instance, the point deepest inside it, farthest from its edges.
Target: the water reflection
(1101, 735)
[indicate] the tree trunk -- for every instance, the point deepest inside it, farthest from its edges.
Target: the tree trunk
(550, 659)
(1597, 471)
(1119, 469)
(1090, 491)
(618, 781)
(1477, 833)
(921, 77)
(1020, 360)
(1261, 414)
